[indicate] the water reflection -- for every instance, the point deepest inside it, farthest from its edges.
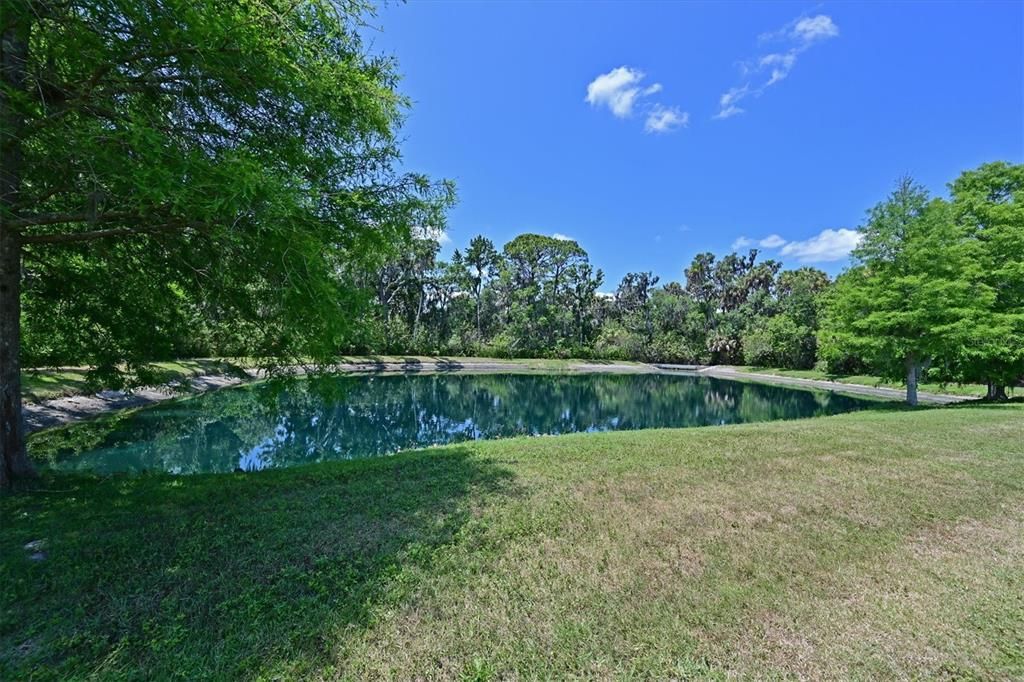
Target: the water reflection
(282, 424)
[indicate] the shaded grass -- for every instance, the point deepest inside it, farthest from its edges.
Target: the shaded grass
(970, 390)
(879, 544)
(56, 382)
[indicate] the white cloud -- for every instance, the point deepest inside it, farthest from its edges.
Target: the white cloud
(733, 95)
(435, 233)
(727, 102)
(663, 119)
(561, 237)
(772, 241)
(825, 247)
(729, 112)
(768, 69)
(618, 90)
(622, 89)
(781, 65)
(810, 29)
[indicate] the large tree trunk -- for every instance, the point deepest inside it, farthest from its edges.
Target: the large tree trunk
(14, 461)
(996, 392)
(12, 428)
(913, 372)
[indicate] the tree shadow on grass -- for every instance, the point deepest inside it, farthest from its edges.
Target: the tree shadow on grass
(226, 576)
(1015, 402)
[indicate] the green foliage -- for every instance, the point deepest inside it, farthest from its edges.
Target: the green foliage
(203, 177)
(937, 284)
(989, 204)
(779, 342)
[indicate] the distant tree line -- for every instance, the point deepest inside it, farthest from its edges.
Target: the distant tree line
(541, 296)
(936, 287)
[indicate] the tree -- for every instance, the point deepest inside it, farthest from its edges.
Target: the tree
(989, 203)
(633, 303)
(583, 283)
(535, 281)
(799, 294)
(913, 295)
(243, 153)
(788, 338)
(482, 262)
(732, 292)
(778, 341)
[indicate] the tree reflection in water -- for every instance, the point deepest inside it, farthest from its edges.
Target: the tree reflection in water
(276, 424)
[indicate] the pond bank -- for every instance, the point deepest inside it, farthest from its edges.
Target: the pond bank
(69, 409)
(730, 372)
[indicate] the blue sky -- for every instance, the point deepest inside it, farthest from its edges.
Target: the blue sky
(650, 132)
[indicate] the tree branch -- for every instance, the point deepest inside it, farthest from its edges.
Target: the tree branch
(74, 237)
(62, 218)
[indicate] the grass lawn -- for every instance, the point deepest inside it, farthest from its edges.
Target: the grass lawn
(46, 383)
(971, 390)
(879, 544)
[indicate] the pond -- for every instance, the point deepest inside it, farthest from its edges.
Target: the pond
(279, 424)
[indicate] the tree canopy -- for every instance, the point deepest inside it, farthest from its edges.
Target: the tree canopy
(220, 167)
(931, 288)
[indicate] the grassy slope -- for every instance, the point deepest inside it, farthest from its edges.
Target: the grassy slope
(972, 390)
(45, 383)
(875, 544)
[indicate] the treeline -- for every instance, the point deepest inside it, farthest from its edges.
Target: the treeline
(540, 296)
(936, 287)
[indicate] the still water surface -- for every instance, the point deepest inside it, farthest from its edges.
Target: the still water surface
(279, 424)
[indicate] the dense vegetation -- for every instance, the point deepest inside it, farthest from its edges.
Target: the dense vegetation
(540, 296)
(937, 285)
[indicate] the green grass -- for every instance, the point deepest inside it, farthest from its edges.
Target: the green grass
(879, 544)
(970, 390)
(55, 382)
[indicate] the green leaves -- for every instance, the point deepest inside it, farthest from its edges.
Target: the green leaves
(937, 281)
(243, 153)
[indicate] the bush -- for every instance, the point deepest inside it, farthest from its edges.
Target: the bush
(779, 342)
